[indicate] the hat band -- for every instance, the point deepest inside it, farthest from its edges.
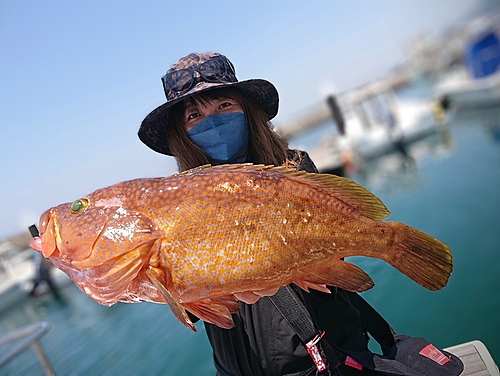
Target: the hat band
(180, 81)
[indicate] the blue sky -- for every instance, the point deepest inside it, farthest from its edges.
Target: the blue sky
(78, 77)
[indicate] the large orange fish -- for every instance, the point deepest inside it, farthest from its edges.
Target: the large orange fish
(200, 239)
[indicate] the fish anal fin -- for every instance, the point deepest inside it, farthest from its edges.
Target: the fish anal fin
(306, 285)
(214, 311)
(340, 273)
(157, 278)
(229, 301)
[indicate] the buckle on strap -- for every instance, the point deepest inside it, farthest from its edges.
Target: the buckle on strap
(314, 352)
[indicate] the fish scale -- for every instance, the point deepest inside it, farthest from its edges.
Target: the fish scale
(197, 239)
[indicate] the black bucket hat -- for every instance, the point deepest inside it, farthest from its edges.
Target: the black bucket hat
(181, 81)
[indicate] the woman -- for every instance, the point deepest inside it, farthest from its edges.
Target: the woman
(211, 117)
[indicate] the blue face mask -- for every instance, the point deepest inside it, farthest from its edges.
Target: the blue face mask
(224, 136)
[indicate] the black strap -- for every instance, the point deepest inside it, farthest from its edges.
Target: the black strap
(299, 319)
(373, 322)
(294, 312)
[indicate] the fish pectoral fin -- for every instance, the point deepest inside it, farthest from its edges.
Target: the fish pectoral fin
(340, 273)
(215, 311)
(156, 276)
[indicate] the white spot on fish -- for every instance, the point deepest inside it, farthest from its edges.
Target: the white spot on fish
(251, 184)
(285, 221)
(170, 188)
(120, 212)
(108, 203)
(284, 240)
(227, 186)
(119, 232)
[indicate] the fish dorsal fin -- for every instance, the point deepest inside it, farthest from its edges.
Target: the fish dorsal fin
(225, 167)
(349, 192)
(344, 189)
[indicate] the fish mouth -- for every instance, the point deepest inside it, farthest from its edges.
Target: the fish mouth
(49, 239)
(36, 244)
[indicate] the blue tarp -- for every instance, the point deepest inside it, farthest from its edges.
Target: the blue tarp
(482, 56)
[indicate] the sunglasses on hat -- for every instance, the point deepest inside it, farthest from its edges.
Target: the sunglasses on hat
(215, 69)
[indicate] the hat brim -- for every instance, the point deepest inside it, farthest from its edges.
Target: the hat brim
(153, 129)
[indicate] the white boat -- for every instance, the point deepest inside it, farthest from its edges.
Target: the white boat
(459, 91)
(16, 263)
(380, 122)
(476, 83)
(374, 122)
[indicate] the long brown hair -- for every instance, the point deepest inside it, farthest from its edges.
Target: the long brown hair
(265, 146)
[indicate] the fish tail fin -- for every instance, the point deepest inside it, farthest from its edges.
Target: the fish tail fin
(420, 257)
(339, 273)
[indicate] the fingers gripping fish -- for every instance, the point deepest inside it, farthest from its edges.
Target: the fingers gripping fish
(200, 239)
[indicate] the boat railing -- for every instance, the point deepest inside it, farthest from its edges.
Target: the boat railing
(30, 335)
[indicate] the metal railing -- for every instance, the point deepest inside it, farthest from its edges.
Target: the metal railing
(30, 334)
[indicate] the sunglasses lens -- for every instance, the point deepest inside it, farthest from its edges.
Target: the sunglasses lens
(180, 80)
(213, 69)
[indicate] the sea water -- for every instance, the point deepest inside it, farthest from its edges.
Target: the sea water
(447, 186)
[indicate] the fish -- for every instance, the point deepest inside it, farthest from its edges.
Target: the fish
(202, 239)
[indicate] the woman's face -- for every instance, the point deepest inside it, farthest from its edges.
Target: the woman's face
(197, 111)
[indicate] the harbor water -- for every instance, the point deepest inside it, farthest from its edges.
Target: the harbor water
(447, 186)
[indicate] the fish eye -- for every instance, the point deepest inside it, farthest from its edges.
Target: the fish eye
(79, 206)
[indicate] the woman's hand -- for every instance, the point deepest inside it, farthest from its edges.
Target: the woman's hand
(251, 297)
